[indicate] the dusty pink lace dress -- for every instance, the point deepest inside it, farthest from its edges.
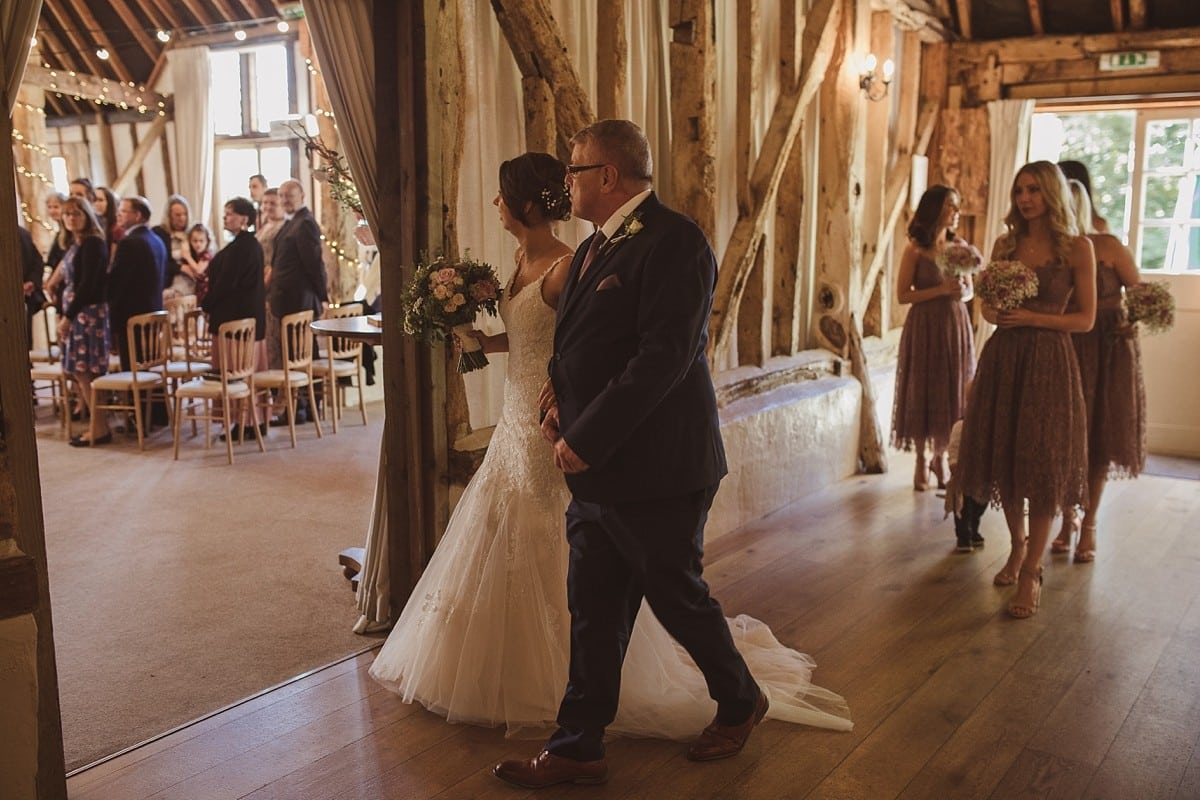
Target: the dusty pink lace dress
(937, 358)
(1025, 431)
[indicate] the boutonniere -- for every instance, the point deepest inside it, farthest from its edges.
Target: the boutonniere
(631, 227)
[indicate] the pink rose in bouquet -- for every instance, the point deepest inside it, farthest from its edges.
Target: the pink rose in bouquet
(443, 299)
(1005, 285)
(959, 258)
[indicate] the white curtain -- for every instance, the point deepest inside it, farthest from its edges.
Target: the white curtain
(18, 21)
(341, 35)
(193, 128)
(1008, 126)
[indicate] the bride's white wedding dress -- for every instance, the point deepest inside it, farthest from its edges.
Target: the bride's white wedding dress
(485, 635)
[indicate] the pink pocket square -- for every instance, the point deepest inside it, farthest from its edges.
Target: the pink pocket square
(609, 282)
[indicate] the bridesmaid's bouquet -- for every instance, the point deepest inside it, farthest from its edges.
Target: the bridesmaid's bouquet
(1005, 285)
(1152, 305)
(443, 299)
(958, 259)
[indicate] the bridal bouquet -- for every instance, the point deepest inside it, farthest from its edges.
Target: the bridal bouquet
(959, 258)
(443, 299)
(1152, 305)
(1005, 285)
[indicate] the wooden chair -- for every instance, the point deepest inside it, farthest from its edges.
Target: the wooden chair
(52, 352)
(344, 361)
(49, 377)
(149, 346)
(197, 338)
(297, 373)
(235, 341)
(177, 308)
(190, 354)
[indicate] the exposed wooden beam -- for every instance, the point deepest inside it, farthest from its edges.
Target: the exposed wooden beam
(895, 197)
(539, 49)
(820, 36)
(199, 11)
(118, 94)
(1049, 48)
(150, 46)
(1171, 62)
(612, 59)
(62, 55)
(1137, 14)
(134, 166)
(88, 54)
(749, 93)
(166, 11)
(108, 151)
(964, 17)
(1035, 17)
(693, 72)
(1149, 84)
(791, 25)
(123, 73)
(1116, 10)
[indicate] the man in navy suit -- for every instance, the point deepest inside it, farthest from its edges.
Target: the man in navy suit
(633, 419)
(135, 279)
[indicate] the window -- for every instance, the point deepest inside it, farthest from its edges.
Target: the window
(1145, 168)
(250, 88)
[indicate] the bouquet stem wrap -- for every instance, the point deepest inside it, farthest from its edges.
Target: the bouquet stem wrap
(471, 355)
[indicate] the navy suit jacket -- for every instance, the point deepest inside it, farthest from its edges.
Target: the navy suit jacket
(635, 397)
(235, 284)
(298, 279)
(135, 280)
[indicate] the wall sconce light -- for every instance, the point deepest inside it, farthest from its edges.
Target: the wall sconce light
(875, 86)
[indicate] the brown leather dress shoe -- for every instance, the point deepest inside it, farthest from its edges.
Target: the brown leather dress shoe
(547, 769)
(722, 741)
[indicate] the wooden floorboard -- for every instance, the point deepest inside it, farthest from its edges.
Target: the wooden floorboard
(1097, 696)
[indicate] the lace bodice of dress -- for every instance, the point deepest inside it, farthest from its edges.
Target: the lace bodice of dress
(529, 323)
(1056, 284)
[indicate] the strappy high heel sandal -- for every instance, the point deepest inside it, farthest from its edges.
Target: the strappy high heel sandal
(1012, 568)
(1066, 537)
(1086, 555)
(921, 474)
(937, 468)
(1018, 610)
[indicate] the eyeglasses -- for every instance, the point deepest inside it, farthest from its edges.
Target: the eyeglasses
(575, 169)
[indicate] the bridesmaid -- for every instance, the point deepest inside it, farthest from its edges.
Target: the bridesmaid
(1110, 367)
(1025, 430)
(937, 348)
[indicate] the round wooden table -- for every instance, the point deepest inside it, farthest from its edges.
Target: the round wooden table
(360, 329)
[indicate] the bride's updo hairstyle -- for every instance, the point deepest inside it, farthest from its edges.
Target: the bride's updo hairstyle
(923, 228)
(537, 178)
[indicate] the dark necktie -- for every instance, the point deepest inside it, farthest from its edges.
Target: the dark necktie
(593, 248)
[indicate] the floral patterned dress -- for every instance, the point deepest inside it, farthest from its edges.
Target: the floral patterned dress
(87, 346)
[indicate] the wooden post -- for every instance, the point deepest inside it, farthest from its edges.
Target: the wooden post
(787, 290)
(693, 122)
(612, 59)
(749, 94)
(33, 159)
(877, 118)
(751, 311)
(872, 455)
(541, 134)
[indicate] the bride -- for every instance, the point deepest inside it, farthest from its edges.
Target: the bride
(484, 638)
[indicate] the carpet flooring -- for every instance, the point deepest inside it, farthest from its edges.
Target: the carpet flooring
(180, 587)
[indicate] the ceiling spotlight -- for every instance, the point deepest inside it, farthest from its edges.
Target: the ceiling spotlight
(163, 36)
(283, 26)
(102, 54)
(240, 35)
(33, 41)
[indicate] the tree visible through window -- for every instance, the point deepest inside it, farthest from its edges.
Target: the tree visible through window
(1145, 165)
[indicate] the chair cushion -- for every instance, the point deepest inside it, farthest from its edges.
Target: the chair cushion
(124, 380)
(46, 372)
(340, 368)
(277, 377)
(185, 369)
(212, 389)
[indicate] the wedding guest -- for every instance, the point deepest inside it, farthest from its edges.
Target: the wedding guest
(82, 187)
(83, 327)
(1111, 372)
(31, 282)
(1025, 430)
(937, 346)
(235, 288)
(196, 257)
(58, 247)
(967, 510)
(106, 205)
(271, 219)
(135, 281)
(173, 233)
(257, 186)
(1077, 170)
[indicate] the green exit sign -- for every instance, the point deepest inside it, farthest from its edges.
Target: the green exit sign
(1136, 59)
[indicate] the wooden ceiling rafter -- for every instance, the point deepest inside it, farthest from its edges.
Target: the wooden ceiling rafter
(167, 12)
(1035, 17)
(96, 31)
(61, 54)
(1116, 11)
(150, 46)
(93, 63)
(1137, 15)
(199, 12)
(964, 17)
